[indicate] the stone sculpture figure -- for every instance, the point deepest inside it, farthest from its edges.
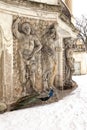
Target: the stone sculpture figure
(69, 63)
(49, 58)
(29, 46)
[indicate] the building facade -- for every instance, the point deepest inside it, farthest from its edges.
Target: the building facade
(80, 56)
(34, 40)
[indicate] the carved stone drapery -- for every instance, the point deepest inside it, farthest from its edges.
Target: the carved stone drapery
(49, 58)
(35, 61)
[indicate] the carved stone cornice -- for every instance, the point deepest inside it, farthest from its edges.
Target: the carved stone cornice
(33, 4)
(60, 7)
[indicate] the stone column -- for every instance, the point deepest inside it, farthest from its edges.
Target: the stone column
(60, 63)
(6, 57)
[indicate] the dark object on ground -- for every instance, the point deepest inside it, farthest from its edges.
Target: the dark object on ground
(29, 100)
(24, 102)
(44, 99)
(37, 99)
(50, 94)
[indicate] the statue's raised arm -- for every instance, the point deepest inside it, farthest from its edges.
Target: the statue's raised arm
(16, 31)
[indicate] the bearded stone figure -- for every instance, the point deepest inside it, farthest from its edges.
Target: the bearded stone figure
(49, 57)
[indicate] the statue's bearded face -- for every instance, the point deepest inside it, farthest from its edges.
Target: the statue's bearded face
(26, 28)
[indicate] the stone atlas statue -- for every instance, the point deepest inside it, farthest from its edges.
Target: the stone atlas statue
(29, 45)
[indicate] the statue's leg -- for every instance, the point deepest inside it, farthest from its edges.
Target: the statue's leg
(32, 74)
(45, 71)
(23, 74)
(52, 76)
(45, 81)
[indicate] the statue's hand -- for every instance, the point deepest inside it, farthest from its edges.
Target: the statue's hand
(18, 19)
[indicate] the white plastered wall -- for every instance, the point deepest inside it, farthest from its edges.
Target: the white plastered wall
(81, 57)
(5, 23)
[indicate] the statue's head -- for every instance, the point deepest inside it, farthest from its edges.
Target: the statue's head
(26, 28)
(53, 32)
(69, 42)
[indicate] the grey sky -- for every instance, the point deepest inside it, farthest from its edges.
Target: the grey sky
(79, 7)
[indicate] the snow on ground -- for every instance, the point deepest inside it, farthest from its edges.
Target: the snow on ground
(70, 113)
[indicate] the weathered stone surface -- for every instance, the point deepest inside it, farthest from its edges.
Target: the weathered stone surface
(3, 107)
(44, 61)
(33, 58)
(6, 56)
(69, 63)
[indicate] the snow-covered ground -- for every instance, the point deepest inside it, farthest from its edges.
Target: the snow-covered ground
(70, 113)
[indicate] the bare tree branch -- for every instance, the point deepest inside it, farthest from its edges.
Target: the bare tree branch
(81, 24)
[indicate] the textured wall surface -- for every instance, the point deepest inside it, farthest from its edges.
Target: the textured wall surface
(41, 21)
